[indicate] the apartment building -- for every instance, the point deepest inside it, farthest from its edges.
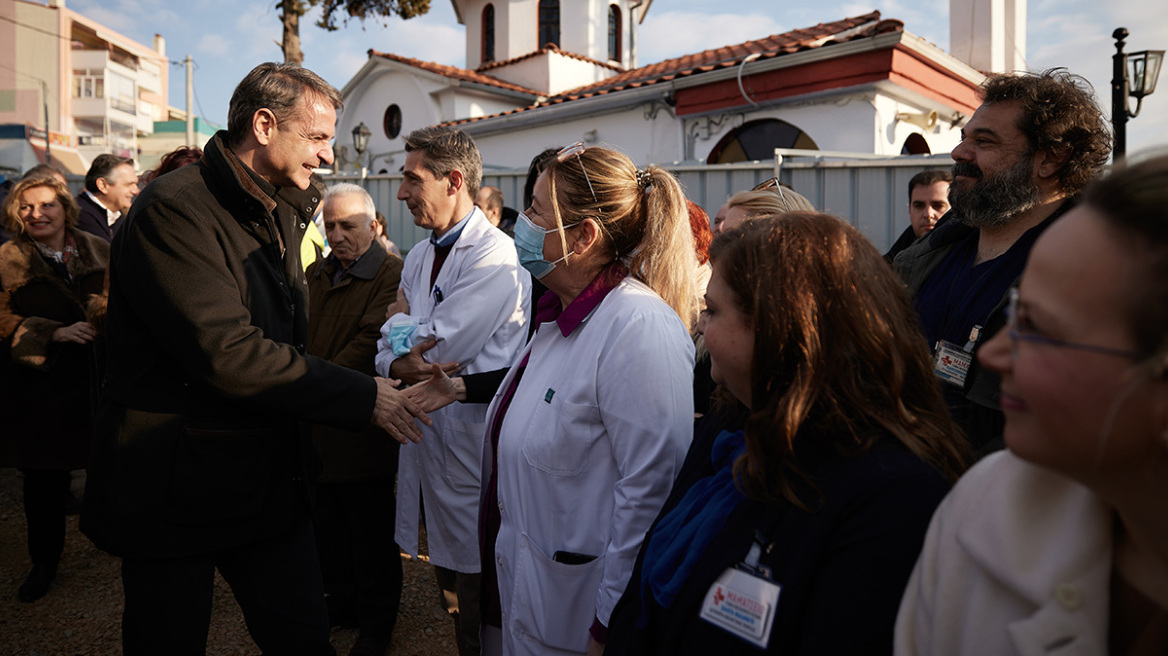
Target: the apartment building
(77, 88)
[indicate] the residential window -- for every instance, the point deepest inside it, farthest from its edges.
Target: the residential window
(89, 83)
(488, 33)
(549, 22)
(614, 33)
(123, 93)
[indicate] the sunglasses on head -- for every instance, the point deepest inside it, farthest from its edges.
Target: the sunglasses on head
(574, 150)
(772, 183)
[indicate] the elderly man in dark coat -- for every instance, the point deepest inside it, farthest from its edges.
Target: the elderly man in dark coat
(347, 296)
(198, 459)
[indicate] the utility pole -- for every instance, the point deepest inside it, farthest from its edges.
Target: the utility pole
(45, 100)
(190, 107)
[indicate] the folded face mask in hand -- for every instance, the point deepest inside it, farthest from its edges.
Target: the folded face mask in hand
(401, 336)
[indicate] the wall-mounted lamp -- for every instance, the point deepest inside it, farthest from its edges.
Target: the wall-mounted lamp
(361, 136)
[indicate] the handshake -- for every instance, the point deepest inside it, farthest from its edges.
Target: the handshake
(398, 412)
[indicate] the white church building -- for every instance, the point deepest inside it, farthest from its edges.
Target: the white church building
(544, 73)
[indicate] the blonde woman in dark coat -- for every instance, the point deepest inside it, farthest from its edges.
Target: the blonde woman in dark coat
(49, 273)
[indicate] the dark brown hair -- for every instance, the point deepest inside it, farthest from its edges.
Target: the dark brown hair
(103, 167)
(447, 149)
(1059, 116)
(838, 354)
(927, 178)
(1134, 201)
(276, 87)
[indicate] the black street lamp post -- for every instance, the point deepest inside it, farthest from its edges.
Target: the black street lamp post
(1133, 75)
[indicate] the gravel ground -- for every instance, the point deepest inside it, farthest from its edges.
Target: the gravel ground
(81, 614)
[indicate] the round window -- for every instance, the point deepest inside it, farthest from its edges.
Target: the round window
(392, 121)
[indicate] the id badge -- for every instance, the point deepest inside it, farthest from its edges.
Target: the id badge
(951, 363)
(743, 605)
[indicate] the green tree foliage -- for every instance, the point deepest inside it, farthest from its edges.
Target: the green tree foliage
(332, 10)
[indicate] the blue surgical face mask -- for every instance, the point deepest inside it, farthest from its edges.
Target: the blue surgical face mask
(529, 244)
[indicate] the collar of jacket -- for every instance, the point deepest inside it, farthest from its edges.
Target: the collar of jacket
(231, 176)
(1048, 542)
(22, 263)
(365, 268)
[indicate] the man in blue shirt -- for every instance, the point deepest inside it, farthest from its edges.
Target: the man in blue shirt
(1024, 156)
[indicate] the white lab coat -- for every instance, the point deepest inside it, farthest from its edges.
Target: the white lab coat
(481, 322)
(1017, 561)
(588, 450)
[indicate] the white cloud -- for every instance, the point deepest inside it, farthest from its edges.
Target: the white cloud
(215, 45)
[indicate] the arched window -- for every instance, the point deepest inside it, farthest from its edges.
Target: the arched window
(757, 140)
(614, 33)
(915, 144)
(488, 33)
(549, 22)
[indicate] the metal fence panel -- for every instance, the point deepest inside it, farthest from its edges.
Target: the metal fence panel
(871, 194)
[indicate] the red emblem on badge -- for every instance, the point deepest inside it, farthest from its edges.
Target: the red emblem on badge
(718, 596)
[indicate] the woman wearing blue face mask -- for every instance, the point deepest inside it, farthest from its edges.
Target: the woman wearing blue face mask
(586, 432)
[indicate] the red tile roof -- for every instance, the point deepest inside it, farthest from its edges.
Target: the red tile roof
(551, 47)
(809, 38)
(454, 72)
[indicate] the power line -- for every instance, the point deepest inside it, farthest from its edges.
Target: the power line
(37, 29)
(194, 87)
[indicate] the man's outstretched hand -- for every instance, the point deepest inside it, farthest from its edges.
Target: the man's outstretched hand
(396, 414)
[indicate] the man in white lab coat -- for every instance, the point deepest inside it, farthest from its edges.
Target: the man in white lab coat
(464, 291)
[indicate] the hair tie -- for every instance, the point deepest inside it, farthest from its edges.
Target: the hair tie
(644, 180)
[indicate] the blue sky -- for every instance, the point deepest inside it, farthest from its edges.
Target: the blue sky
(227, 38)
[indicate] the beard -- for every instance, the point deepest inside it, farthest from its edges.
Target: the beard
(993, 200)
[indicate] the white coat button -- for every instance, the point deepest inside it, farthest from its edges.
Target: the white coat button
(500, 559)
(1068, 596)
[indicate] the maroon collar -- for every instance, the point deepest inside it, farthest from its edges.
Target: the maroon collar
(569, 318)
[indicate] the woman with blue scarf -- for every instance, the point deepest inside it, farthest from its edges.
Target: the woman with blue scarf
(802, 505)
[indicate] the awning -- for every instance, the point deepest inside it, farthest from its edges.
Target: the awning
(63, 157)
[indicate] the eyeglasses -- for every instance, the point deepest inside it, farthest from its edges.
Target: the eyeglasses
(1019, 333)
(772, 183)
(574, 150)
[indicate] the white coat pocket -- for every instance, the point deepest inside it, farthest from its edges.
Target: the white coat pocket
(463, 454)
(562, 436)
(553, 603)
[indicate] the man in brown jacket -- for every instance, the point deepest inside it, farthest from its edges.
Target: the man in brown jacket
(347, 296)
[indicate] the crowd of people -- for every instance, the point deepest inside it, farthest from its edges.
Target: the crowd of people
(626, 428)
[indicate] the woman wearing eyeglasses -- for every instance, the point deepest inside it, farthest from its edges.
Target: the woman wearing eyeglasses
(1060, 544)
(588, 428)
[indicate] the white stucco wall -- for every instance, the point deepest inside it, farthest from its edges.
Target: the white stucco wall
(413, 94)
(644, 141)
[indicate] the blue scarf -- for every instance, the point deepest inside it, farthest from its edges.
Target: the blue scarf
(682, 536)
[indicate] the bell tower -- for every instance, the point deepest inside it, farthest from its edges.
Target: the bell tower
(551, 45)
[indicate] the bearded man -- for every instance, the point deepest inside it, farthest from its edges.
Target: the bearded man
(1027, 152)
